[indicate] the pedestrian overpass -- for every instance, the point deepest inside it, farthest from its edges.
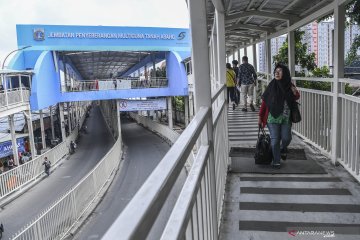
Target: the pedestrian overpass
(330, 124)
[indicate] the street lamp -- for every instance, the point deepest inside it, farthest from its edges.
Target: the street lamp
(2, 67)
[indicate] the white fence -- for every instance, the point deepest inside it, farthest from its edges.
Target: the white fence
(21, 175)
(117, 84)
(58, 219)
(12, 97)
(316, 126)
(196, 214)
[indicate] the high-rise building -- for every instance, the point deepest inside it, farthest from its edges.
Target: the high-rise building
(350, 33)
(325, 44)
(319, 40)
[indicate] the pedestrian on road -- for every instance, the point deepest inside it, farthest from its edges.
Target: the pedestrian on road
(247, 81)
(278, 99)
(47, 165)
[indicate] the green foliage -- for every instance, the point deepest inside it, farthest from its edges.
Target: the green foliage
(179, 104)
(352, 54)
(301, 57)
(160, 72)
(317, 72)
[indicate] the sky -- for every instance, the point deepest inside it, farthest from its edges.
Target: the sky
(144, 13)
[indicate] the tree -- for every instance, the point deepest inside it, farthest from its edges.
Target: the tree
(302, 58)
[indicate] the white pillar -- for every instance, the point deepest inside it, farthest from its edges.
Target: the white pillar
(186, 103)
(69, 117)
(62, 121)
(31, 133)
(245, 51)
(239, 55)
(339, 26)
(291, 52)
(201, 73)
(191, 105)
(52, 122)
(13, 139)
(268, 58)
(256, 69)
(220, 43)
(170, 115)
(118, 119)
(42, 129)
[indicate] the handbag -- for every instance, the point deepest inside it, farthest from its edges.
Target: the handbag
(263, 152)
(295, 116)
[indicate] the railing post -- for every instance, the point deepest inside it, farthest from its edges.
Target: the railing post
(21, 90)
(201, 71)
(339, 26)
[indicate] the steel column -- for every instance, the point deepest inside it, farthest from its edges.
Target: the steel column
(339, 26)
(13, 139)
(42, 129)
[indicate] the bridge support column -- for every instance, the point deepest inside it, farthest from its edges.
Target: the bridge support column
(52, 122)
(291, 52)
(69, 117)
(62, 121)
(170, 115)
(13, 139)
(118, 119)
(186, 103)
(245, 51)
(31, 133)
(42, 129)
(339, 26)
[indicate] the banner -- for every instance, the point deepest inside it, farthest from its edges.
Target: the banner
(6, 148)
(142, 105)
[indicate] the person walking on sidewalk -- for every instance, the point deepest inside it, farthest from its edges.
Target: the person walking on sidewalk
(247, 81)
(230, 84)
(47, 165)
(279, 97)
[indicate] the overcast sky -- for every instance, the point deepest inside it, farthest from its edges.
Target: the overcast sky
(146, 13)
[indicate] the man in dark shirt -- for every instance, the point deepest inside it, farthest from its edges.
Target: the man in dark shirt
(237, 92)
(247, 80)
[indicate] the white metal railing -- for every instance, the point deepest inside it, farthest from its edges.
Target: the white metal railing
(9, 98)
(58, 219)
(316, 126)
(117, 84)
(18, 177)
(317, 109)
(197, 210)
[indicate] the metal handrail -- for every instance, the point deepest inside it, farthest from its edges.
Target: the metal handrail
(139, 214)
(176, 226)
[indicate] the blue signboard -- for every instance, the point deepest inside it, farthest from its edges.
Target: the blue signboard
(6, 148)
(102, 38)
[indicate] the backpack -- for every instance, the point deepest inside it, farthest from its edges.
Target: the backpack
(263, 152)
(47, 164)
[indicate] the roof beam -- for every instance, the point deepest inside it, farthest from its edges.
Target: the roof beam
(219, 5)
(263, 4)
(240, 35)
(312, 8)
(262, 14)
(288, 6)
(251, 27)
(229, 6)
(250, 4)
